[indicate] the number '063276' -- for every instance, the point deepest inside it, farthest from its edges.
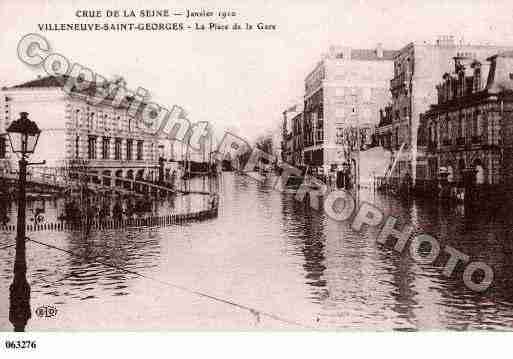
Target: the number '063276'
(20, 344)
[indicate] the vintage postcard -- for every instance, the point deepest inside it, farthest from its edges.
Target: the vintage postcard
(288, 165)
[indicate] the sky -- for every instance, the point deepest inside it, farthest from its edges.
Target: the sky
(241, 81)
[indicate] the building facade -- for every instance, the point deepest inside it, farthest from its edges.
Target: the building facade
(383, 132)
(345, 89)
(291, 144)
(471, 126)
(417, 70)
(101, 136)
(297, 139)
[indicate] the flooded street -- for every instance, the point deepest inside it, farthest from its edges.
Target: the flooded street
(266, 262)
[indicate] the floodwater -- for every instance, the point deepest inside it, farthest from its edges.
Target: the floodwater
(267, 262)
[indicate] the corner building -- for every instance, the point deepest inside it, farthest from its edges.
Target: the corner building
(470, 129)
(347, 88)
(417, 70)
(102, 136)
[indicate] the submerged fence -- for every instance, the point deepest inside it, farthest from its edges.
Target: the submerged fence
(108, 224)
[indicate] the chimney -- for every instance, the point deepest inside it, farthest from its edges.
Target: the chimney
(379, 50)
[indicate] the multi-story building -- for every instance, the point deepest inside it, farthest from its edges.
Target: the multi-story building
(286, 135)
(101, 136)
(297, 139)
(417, 69)
(291, 147)
(345, 89)
(471, 126)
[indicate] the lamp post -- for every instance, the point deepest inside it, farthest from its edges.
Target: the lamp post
(23, 136)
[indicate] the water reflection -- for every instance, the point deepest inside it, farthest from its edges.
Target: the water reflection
(95, 265)
(307, 228)
(100, 208)
(369, 285)
(267, 250)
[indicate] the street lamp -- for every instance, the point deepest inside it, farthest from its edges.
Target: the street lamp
(23, 136)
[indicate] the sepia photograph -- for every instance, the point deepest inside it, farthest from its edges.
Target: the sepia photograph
(302, 167)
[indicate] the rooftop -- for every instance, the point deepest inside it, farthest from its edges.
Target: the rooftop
(89, 88)
(48, 81)
(372, 55)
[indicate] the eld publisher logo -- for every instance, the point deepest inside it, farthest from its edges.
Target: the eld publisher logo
(46, 311)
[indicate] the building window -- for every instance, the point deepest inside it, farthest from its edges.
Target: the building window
(3, 144)
(106, 122)
(444, 133)
(129, 149)
(90, 121)
(339, 135)
(460, 126)
(76, 121)
(91, 150)
(475, 127)
(484, 125)
(454, 128)
(99, 120)
(468, 125)
(320, 135)
(140, 147)
(117, 149)
(77, 147)
(477, 79)
(106, 148)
